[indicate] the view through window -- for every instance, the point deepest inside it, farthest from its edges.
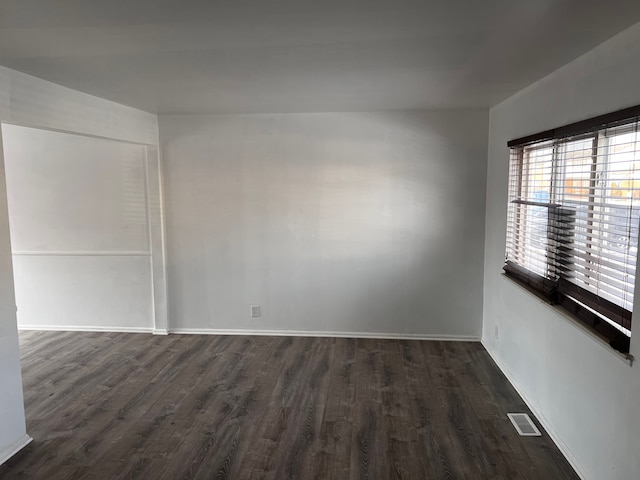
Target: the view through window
(573, 215)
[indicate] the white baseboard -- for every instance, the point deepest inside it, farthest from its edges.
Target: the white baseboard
(311, 333)
(15, 448)
(271, 333)
(82, 328)
(555, 436)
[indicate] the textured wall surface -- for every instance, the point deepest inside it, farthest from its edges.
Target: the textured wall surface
(79, 230)
(332, 223)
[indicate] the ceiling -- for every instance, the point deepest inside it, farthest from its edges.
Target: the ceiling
(253, 56)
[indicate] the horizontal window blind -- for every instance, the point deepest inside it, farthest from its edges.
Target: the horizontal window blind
(573, 218)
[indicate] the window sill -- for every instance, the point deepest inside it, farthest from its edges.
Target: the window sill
(568, 316)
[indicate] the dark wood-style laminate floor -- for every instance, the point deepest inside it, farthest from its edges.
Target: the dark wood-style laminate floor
(138, 406)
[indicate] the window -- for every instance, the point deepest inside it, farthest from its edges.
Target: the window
(573, 219)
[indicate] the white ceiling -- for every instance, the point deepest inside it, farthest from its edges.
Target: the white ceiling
(240, 56)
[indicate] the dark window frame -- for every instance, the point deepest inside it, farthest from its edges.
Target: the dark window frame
(586, 306)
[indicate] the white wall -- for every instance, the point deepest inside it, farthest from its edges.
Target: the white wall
(369, 223)
(585, 394)
(13, 434)
(32, 102)
(79, 230)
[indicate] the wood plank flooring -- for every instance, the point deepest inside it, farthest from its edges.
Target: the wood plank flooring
(138, 406)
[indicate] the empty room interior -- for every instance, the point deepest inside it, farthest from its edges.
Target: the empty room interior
(330, 240)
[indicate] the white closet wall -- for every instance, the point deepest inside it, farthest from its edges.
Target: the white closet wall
(79, 230)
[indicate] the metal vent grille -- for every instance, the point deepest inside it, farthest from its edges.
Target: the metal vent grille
(524, 425)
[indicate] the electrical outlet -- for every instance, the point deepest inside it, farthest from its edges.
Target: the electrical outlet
(255, 311)
(496, 331)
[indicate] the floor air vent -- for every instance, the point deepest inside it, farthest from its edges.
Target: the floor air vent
(524, 425)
